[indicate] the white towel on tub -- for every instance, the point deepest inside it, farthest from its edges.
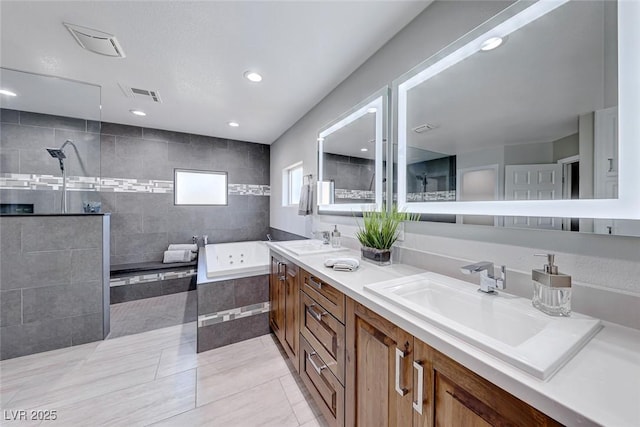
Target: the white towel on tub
(183, 247)
(177, 256)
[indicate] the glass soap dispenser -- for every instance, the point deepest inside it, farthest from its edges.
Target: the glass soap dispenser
(335, 237)
(551, 289)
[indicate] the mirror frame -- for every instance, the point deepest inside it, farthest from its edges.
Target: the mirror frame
(378, 100)
(626, 206)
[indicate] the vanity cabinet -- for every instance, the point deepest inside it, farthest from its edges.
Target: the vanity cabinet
(415, 385)
(283, 299)
(322, 345)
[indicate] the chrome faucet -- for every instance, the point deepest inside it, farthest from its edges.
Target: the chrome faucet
(269, 237)
(326, 236)
(488, 281)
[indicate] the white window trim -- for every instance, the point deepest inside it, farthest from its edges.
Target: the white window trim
(286, 184)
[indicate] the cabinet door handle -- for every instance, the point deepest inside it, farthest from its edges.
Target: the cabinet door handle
(313, 283)
(417, 405)
(317, 368)
(610, 160)
(399, 355)
(280, 264)
(315, 314)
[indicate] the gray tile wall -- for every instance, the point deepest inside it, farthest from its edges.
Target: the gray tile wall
(142, 224)
(349, 173)
(51, 283)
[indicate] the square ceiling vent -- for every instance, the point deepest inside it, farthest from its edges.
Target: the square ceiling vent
(132, 92)
(96, 41)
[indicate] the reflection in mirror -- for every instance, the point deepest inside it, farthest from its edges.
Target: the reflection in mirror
(350, 159)
(50, 144)
(531, 118)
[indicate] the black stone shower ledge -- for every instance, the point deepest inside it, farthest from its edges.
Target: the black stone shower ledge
(138, 267)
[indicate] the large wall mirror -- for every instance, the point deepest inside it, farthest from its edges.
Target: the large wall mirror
(351, 172)
(531, 119)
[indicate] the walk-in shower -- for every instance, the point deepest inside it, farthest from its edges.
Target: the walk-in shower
(58, 153)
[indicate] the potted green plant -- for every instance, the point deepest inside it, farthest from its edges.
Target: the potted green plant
(379, 232)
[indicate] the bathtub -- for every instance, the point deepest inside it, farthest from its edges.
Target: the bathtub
(233, 260)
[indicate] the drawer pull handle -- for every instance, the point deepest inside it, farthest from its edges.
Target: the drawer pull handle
(317, 368)
(399, 355)
(280, 264)
(315, 314)
(417, 405)
(282, 278)
(313, 283)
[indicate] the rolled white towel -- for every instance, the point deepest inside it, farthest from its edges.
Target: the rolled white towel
(183, 247)
(177, 256)
(342, 264)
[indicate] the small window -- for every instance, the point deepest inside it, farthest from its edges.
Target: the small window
(196, 187)
(291, 184)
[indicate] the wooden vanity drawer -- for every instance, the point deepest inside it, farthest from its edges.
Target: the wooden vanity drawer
(324, 332)
(328, 296)
(322, 384)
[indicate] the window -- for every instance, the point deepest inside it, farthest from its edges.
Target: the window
(291, 184)
(195, 187)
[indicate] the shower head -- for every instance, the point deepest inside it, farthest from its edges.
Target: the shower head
(56, 153)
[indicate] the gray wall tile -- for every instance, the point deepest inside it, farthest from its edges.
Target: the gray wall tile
(165, 135)
(225, 333)
(10, 308)
(217, 296)
(25, 137)
(124, 223)
(42, 201)
(134, 292)
(9, 116)
(93, 126)
(49, 121)
(36, 337)
(9, 161)
(133, 244)
(88, 145)
(251, 290)
(62, 233)
(55, 302)
(86, 266)
(34, 269)
(86, 329)
(120, 130)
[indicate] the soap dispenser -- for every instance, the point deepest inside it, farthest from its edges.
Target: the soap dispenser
(335, 237)
(551, 289)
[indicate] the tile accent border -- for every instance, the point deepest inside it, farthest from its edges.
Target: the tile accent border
(152, 277)
(341, 193)
(232, 314)
(16, 181)
(431, 196)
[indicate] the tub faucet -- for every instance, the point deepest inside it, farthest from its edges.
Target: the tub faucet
(488, 282)
(269, 237)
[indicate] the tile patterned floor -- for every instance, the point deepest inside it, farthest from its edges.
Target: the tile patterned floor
(156, 378)
(144, 315)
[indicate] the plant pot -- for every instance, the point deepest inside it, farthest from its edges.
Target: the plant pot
(376, 256)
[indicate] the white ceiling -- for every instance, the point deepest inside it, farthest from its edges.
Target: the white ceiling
(531, 89)
(195, 54)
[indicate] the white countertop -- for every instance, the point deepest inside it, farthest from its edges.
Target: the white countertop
(599, 386)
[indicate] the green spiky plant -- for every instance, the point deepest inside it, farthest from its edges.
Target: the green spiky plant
(380, 228)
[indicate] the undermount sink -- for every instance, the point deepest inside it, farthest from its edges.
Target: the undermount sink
(307, 247)
(503, 325)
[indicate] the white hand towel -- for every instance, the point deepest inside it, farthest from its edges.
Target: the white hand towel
(306, 199)
(177, 256)
(342, 264)
(183, 247)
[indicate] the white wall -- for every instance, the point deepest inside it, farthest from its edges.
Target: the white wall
(609, 263)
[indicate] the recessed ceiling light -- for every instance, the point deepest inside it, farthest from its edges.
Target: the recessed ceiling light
(364, 149)
(138, 112)
(253, 76)
(233, 124)
(7, 92)
(491, 43)
(372, 110)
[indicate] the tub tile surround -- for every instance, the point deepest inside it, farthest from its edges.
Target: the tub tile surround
(52, 283)
(233, 310)
(130, 171)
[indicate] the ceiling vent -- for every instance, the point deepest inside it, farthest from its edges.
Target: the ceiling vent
(424, 128)
(132, 92)
(96, 41)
